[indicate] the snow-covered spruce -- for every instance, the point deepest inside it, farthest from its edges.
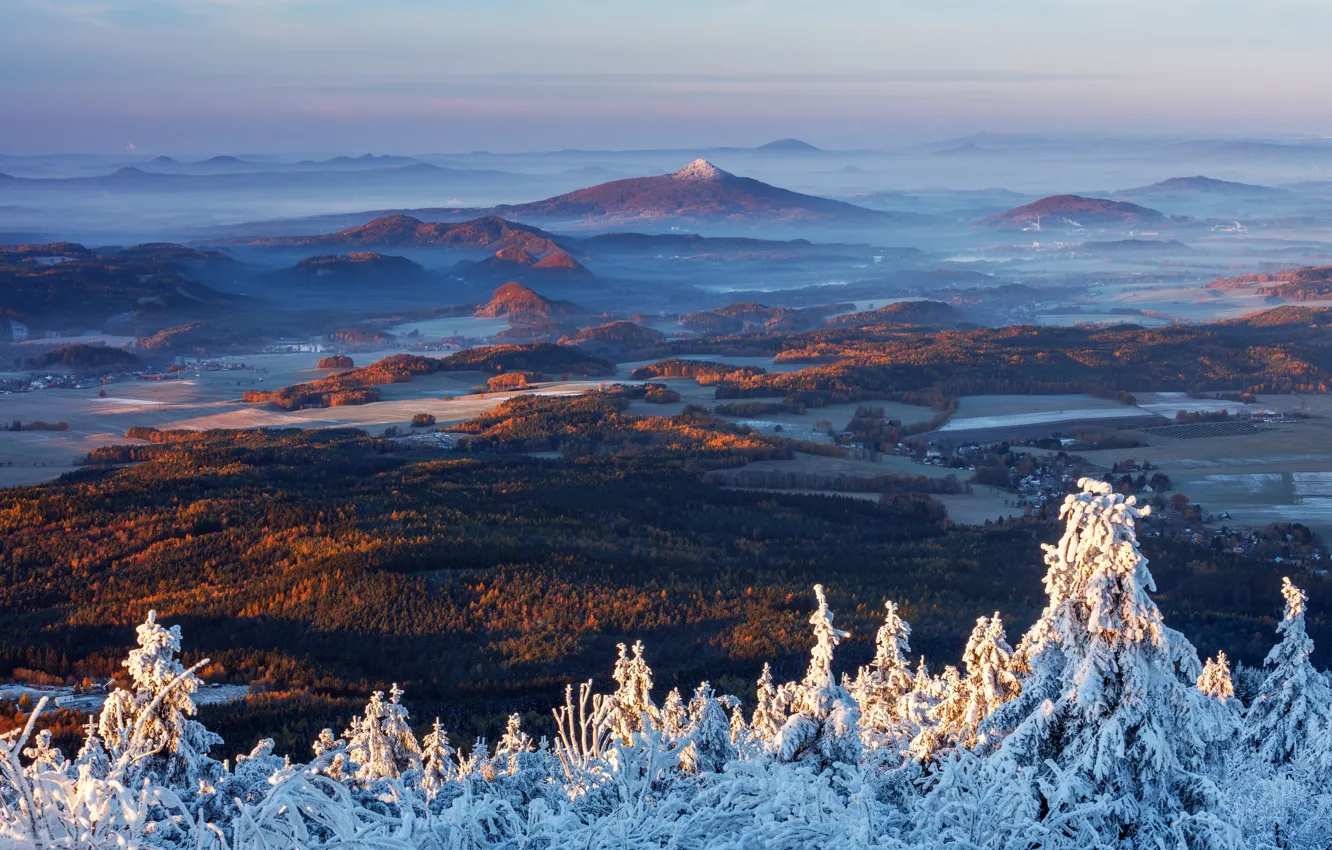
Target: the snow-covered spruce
(1115, 748)
(1291, 708)
(1100, 730)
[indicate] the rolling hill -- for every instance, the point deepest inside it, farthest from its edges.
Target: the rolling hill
(1199, 185)
(614, 340)
(1074, 211)
(520, 304)
(511, 262)
(358, 267)
(921, 313)
(65, 285)
(404, 231)
(789, 146)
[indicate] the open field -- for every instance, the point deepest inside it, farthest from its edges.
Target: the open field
(213, 400)
(800, 426)
(1207, 430)
(89, 338)
(886, 465)
(1168, 404)
(1258, 498)
(1250, 473)
(974, 508)
(991, 413)
(1275, 474)
(985, 412)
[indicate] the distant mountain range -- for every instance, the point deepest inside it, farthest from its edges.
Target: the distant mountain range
(968, 149)
(1074, 211)
(699, 192)
(232, 176)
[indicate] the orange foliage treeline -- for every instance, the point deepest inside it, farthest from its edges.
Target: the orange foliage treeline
(513, 381)
(357, 386)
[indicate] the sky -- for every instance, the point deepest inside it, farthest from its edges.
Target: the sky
(427, 76)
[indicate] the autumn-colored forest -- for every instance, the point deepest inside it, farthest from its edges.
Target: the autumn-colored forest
(318, 565)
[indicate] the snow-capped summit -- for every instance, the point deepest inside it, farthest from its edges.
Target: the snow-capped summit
(700, 169)
(698, 192)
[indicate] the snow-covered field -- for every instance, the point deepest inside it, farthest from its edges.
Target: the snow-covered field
(1264, 497)
(62, 696)
(982, 412)
(1039, 417)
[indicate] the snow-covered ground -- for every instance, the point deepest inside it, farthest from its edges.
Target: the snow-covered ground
(1039, 417)
(981, 412)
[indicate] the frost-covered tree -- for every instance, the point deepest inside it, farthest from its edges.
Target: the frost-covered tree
(512, 745)
(673, 717)
(740, 735)
(990, 681)
(937, 726)
(632, 700)
(765, 722)
(439, 760)
(918, 713)
(325, 742)
(1247, 680)
(1117, 746)
(477, 762)
(335, 765)
(709, 747)
(380, 742)
(1215, 680)
(403, 746)
(881, 687)
(1291, 708)
(821, 716)
(151, 726)
(93, 754)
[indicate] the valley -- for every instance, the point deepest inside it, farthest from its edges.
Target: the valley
(658, 404)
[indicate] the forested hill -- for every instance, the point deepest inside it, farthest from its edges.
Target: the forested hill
(1282, 350)
(319, 565)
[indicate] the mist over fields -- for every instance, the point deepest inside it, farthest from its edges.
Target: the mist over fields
(394, 437)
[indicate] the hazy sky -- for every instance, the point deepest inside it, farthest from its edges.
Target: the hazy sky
(420, 76)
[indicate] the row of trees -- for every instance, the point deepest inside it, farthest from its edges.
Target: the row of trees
(357, 386)
(1100, 728)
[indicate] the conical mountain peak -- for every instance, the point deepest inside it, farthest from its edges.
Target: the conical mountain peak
(700, 169)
